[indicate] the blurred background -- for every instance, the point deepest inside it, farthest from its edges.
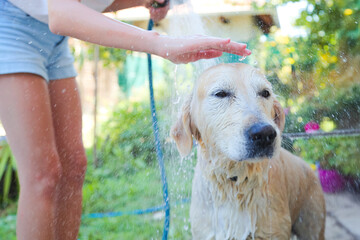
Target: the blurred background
(308, 49)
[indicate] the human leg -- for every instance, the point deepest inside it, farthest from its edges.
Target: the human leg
(28, 46)
(67, 120)
(26, 115)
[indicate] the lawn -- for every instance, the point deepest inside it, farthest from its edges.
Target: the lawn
(108, 189)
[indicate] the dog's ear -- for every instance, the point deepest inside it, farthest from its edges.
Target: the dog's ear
(181, 131)
(279, 115)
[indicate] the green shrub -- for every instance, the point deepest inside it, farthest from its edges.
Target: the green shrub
(341, 153)
(128, 137)
(340, 105)
(9, 187)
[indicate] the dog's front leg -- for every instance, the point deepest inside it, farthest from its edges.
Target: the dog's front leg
(201, 209)
(274, 225)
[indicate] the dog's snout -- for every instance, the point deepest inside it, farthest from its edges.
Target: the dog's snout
(260, 139)
(261, 134)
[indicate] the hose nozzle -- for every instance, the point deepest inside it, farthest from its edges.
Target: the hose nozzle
(160, 5)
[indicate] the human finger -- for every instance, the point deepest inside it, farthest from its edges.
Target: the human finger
(224, 45)
(160, 1)
(152, 3)
(195, 56)
(232, 47)
(236, 48)
(203, 42)
(207, 54)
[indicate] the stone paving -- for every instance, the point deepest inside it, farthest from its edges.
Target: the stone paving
(343, 216)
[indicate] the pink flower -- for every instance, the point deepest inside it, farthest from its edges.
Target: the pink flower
(311, 127)
(286, 111)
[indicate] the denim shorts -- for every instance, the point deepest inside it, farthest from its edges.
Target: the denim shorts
(28, 46)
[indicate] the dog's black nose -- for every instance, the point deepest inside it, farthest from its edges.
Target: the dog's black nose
(261, 134)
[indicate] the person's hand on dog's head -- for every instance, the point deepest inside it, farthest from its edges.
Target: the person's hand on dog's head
(193, 48)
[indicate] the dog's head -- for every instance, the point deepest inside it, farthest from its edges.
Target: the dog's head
(232, 113)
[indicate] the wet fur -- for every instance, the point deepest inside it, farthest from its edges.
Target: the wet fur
(271, 198)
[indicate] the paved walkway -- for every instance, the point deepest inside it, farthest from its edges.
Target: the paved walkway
(343, 216)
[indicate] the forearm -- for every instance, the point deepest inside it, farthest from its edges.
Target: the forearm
(123, 4)
(71, 18)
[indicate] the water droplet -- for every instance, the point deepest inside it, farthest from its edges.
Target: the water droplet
(17, 38)
(167, 54)
(41, 50)
(176, 101)
(343, 58)
(242, 58)
(54, 105)
(30, 42)
(44, 33)
(64, 90)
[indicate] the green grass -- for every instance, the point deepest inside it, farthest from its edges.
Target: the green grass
(110, 189)
(8, 222)
(8, 227)
(148, 226)
(106, 190)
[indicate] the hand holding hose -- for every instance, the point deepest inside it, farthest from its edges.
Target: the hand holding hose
(158, 9)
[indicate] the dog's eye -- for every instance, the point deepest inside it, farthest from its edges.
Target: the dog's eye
(265, 93)
(222, 94)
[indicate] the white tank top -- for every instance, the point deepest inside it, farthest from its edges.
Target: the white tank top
(38, 9)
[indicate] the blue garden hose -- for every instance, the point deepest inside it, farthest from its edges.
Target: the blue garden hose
(158, 146)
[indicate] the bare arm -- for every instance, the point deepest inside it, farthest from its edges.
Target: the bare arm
(71, 18)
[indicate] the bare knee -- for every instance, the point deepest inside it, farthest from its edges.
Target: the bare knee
(74, 164)
(43, 182)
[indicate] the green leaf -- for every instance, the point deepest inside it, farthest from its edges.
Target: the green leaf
(7, 184)
(13, 162)
(5, 153)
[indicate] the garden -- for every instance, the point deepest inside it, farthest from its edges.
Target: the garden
(316, 77)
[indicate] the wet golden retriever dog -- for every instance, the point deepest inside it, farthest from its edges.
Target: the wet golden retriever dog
(245, 185)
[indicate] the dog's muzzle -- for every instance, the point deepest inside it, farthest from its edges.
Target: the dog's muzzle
(260, 140)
